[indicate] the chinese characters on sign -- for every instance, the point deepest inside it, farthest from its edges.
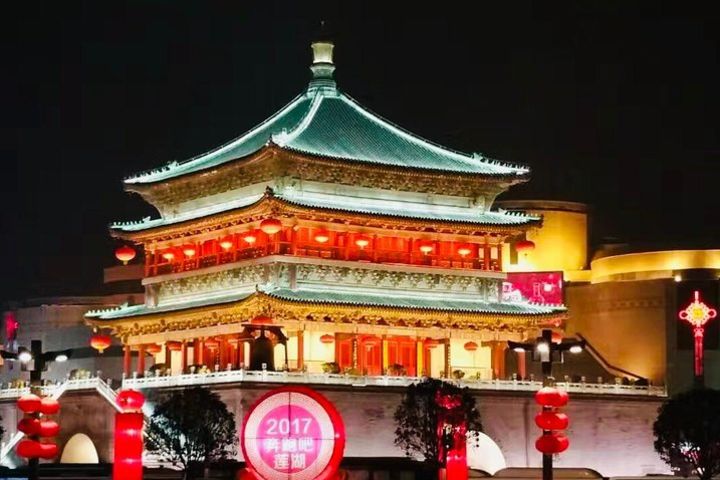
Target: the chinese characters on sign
(293, 433)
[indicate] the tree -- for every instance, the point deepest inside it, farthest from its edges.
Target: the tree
(416, 418)
(192, 425)
(687, 432)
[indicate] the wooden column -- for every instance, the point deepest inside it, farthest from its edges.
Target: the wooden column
(141, 360)
(127, 360)
(300, 349)
(168, 357)
(354, 351)
(420, 357)
(497, 358)
(522, 369)
(241, 354)
(447, 358)
(198, 353)
(384, 353)
(183, 356)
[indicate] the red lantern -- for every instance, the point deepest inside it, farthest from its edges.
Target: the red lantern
(174, 346)
(426, 248)
(271, 226)
(100, 342)
(130, 400)
(189, 251)
(125, 254)
(29, 425)
(28, 449)
(464, 251)
(127, 464)
(552, 443)
(48, 450)
(153, 348)
(48, 428)
(262, 320)
(548, 420)
(49, 406)
(249, 238)
(168, 255)
(557, 337)
(524, 246)
(322, 236)
(551, 397)
(362, 242)
(327, 339)
(471, 346)
(226, 243)
(29, 403)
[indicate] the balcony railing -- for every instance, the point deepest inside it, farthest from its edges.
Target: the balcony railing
(240, 376)
(322, 251)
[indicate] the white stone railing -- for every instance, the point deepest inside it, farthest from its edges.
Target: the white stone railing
(233, 376)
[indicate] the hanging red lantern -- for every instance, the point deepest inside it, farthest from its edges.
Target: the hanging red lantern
(168, 255)
(322, 236)
(362, 242)
(426, 248)
(226, 243)
(29, 403)
(548, 420)
(250, 238)
(100, 342)
(28, 449)
(524, 246)
(557, 337)
(29, 426)
(174, 346)
(327, 339)
(130, 400)
(551, 397)
(48, 450)
(125, 254)
(271, 226)
(189, 250)
(431, 343)
(153, 349)
(471, 346)
(48, 428)
(49, 406)
(464, 251)
(262, 320)
(552, 443)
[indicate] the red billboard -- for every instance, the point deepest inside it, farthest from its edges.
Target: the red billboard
(536, 287)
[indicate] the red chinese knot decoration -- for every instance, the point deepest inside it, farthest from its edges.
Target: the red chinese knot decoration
(697, 314)
(293, 433)
(551, 421)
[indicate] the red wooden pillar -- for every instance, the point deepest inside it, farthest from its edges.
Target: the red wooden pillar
(447, 357)
(127, 360)
(198, 352)
(183, 356)
(168, 357)
(141, 360)
(300, 349)
(241, 354)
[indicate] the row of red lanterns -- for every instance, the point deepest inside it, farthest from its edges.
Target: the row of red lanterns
(35, 427)
(551, 421)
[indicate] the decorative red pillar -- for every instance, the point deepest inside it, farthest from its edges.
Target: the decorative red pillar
(300, 350)
(141, 360)
(127, 360)
(127, 464)
(183, 357)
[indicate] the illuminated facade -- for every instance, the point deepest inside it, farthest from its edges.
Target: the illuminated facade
(373, 250)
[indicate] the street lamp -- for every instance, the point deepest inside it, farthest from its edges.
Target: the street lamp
(546, 352)
(41, 360)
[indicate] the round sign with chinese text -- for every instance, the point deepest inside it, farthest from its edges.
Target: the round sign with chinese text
(293, 433)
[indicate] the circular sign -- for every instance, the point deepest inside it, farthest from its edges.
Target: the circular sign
(293, 433)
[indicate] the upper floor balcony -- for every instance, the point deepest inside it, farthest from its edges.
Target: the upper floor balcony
(324, 244)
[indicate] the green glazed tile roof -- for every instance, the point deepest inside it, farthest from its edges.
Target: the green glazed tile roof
(419, 300)
(326, 122)
(347, 204)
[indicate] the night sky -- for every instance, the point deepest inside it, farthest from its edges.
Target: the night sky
(613, 103)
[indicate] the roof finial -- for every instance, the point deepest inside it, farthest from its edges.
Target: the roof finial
(323, 66)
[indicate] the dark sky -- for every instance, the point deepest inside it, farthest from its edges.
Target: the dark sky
(614, 103)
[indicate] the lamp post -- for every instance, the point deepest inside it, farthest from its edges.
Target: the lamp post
(546, 352)
(41, 360)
